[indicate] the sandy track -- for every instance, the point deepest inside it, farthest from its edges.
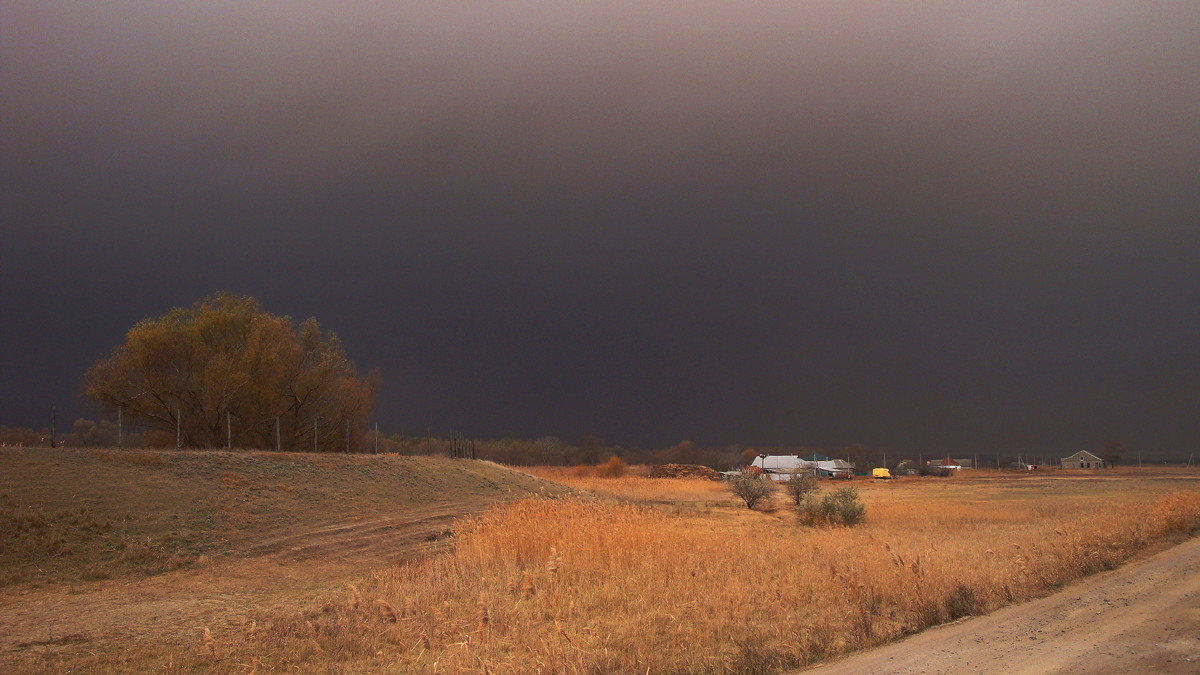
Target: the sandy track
(1144, 616)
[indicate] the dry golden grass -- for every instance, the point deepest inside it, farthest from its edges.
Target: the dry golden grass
(575, 586)
(635, 486)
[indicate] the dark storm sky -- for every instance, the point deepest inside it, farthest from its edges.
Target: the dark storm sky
(930, 226)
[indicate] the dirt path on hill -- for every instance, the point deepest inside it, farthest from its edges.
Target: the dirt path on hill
(282, 573)
(1144, 616)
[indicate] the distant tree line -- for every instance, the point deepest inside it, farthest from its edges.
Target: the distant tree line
(544, 451)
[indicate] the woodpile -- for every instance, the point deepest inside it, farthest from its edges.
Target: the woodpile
(683, 471)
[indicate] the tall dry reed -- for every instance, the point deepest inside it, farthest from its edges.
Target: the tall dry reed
(635, 486)
(571, 586)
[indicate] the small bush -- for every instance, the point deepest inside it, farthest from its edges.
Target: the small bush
(800, 486)
(840, 507)
(808, 511)
(615, 467)
(751, 489)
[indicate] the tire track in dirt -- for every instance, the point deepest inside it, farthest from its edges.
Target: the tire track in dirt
(381, 536)
(1144, 616)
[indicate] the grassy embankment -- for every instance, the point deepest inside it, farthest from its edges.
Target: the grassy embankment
(73, 516)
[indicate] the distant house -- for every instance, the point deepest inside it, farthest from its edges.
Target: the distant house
(834, 468)
(1082, 460)
(783, 467)
(828, 467)
(951, 463)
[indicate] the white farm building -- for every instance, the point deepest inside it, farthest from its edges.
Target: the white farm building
(783, 467)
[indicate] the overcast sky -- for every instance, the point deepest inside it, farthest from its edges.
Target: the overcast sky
(929, 226)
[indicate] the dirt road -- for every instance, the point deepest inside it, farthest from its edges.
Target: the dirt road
(1144, 616)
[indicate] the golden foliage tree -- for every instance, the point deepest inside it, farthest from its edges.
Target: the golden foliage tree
(224, 367)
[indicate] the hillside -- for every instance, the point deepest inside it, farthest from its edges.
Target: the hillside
(99, 547)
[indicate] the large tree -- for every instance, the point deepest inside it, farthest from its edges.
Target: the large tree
(224, 364)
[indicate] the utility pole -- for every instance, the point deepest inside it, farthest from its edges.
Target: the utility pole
(347, 437)
(376, 451)
(277, 433)
(53, 423)
(178, 417)
(228, 431)
(315, 433)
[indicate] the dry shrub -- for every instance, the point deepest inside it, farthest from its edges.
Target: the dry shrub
(615, 467)
(800, 486)
(752, 489)
(840, 507)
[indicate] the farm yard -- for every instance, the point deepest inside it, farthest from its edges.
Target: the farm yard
(566, 572)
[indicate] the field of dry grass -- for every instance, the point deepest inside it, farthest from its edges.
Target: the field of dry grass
(575, 585)
(635, 486)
